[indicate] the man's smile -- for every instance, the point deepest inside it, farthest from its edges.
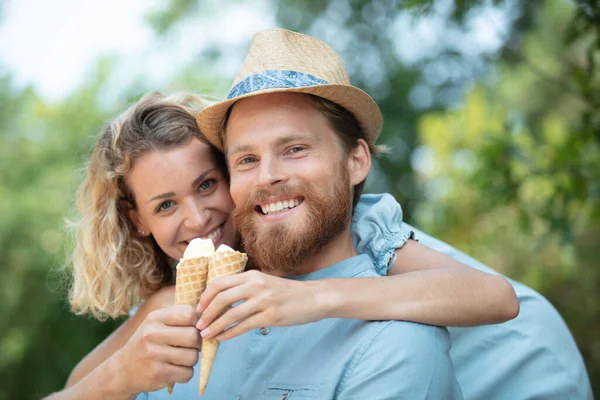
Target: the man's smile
(278, 206)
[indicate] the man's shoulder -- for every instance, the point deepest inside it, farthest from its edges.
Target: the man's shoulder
(419, 353)
(399, 342)
(363, 267)
(397, 334)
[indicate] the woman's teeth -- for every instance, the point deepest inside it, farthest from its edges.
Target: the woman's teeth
(214, 234)
(279, 206)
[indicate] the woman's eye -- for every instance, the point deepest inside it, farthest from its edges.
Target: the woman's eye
(247, 160)
(165, 205)
(207, 185)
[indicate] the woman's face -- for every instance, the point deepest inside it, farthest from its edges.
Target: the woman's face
(181, 194)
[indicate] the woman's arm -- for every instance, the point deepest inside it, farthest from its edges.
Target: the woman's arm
(103, 383)
(163, 298)
(424, 286)
(163, 350)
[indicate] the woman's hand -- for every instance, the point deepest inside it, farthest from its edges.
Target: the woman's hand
(267, 301)
(163, 350)
(164, 297)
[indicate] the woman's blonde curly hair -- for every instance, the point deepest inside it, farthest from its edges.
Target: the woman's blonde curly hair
(114, 267)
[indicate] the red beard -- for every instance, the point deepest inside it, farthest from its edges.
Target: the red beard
(282, 248)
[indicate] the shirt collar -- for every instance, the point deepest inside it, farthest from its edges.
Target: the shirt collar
(348, 268)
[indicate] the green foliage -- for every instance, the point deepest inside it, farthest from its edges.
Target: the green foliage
(163, 19)
(515, 172)
(41, 146)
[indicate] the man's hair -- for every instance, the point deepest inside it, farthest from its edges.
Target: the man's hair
(344, 124)
(348, 131)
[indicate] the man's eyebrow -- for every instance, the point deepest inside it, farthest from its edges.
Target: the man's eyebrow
(292, 138)
(278, 142)
(242, 148)
(202, 176)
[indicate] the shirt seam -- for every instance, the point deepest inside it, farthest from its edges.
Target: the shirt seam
(392, 243)
(358, 358)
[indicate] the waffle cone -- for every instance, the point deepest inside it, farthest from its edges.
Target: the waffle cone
(191, 280)
(221, 264)
(190, 283)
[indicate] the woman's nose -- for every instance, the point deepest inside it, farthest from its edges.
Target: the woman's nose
(196, 216)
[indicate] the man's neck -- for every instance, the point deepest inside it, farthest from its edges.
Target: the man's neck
(338, 250)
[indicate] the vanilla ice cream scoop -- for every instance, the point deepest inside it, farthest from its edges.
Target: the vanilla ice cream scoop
(199, 248)
(224, 247)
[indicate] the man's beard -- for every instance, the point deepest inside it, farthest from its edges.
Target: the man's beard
(281, 248)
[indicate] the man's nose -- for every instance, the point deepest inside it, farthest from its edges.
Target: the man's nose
(196, 216)
(270, 172)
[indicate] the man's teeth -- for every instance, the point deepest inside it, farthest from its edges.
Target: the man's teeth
(214, 234)
(279, 206)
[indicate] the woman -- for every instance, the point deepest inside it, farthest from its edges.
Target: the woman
(154, 184)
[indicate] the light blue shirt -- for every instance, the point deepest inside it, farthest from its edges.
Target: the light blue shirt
(331, 359)
(532, 356)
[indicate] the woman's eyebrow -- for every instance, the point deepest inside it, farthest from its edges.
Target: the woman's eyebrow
(202, 177)
(194, 184)
(162, 196)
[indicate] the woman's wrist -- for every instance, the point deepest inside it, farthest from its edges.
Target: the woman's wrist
(102, 383)
(115, 379)
(327, 296)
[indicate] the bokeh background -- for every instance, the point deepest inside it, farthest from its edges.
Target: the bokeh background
(491, 107)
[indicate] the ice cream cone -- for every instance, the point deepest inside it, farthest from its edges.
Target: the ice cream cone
(190, 283)
(222, 263)
(191, 280)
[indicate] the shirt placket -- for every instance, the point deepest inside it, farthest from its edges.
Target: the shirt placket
(262, 340)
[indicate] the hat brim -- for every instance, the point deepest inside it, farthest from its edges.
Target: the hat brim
(211, 119)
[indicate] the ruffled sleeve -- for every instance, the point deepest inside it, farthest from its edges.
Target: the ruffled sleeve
(377, 229)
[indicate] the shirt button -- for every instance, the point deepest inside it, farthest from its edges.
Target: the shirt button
(264, 331)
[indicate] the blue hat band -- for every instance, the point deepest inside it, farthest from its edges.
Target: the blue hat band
(274, 79)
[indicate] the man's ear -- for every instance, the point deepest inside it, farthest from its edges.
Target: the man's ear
(134, 216)
(359, 162)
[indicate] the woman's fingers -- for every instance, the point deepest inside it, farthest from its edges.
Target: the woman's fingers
(222, 302)
(180, 356)
(165, 354)
(178, 315)
(175, 374)
(178, 336)
(172, 326)
(217, 286)
(277, 301)
(254, 322)
(230, 317)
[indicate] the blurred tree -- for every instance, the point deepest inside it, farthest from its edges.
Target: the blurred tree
(41, 146)
(513, 176)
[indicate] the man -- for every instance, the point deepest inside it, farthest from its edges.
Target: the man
(532, 356)
(283, 148)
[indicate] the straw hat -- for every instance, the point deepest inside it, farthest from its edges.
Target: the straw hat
(284, 61)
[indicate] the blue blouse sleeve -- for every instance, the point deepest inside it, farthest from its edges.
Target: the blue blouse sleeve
(377, 229)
